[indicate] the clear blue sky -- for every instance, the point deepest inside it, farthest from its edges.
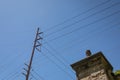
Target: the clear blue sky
(70, 28)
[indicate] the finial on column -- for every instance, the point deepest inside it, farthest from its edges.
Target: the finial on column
(88, 53)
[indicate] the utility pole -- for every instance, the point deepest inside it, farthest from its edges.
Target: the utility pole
(37, 43)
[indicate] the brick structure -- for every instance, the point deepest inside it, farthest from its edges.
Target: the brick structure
(93, 67)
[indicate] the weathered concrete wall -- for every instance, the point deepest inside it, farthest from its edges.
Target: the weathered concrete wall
(99, 75)
(95, 67)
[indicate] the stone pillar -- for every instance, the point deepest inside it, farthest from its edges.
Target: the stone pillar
(93, 67)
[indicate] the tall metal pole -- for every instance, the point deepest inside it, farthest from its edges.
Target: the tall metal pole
(33, 50)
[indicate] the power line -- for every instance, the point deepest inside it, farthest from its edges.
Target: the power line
(58, 66)
(11, 75)
(92, 31)
(78, 15)
(34, 77)
(87, 25)
(57, 52)
(68, 26)
(10, 61)
(89, 37)
(57, 57)
(41, 78)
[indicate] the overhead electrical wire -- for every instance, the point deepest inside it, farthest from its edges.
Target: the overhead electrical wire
(91, 36)
(87, 25)
(38, 61)
(66, 66)
(10, 61)
(34, 77)
(59, 67)
(88, 37)
(11, 76)
(14, 72)
(41, 78)
(77, 15)
(92, 31)
(70, 25)
(57, 53)
(81, 41)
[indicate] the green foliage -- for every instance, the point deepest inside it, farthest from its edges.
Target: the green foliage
(117, 72)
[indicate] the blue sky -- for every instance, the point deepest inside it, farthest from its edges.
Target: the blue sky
(70, 27)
